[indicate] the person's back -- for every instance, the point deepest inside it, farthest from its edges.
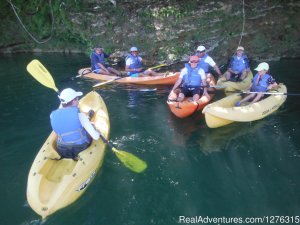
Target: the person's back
(72, 137)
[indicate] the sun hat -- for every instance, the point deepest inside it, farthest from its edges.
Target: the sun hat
(133, 49)
(68, 95)
(201, 48)
(240, 48)
(262, 66)
(194, 58)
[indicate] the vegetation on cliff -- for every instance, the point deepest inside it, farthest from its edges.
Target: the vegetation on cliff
(163, 30)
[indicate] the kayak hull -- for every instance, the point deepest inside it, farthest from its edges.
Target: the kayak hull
(230, 86)
(54, 184)
(224, 111)
(166, 79)
(187, 107)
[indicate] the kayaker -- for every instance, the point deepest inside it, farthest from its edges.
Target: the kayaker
(68, 123)
(134, 63)
(193, 82)
(238, 68)
(262, 82)
(98, 64)
(205, 62)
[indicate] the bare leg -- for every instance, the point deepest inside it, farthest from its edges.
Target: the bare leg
(151, 73)
(244, 75)
(248, 97)
(114, 71)
(104, 72)
(258, 97)
(210, 80)
(196, 97)
(227, 75)
(180, 97)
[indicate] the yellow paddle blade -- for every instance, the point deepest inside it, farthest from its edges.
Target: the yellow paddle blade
(41, 74)
(130, 161)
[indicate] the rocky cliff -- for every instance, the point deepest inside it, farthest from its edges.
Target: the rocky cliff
(163, 30)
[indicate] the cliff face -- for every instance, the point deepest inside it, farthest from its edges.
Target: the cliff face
(163, 30)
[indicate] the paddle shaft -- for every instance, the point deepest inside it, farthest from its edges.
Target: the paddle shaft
(266, 93)
(107, 82)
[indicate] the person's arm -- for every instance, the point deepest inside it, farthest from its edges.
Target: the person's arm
(271, 83)
(203, 78)
(216, 68)
(85, 122)
(176, 85)
(213, 64)
(179, 81)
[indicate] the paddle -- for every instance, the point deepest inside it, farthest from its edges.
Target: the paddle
(265, 93)
(118, 78)
(41, 74)
(107, 82)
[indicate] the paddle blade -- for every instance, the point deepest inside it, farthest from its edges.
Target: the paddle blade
(130, 161)
(41, 74)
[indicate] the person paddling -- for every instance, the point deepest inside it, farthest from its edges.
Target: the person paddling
(262, 82)
(238, 68)
(98, 64)
(69, 125)
(134, 63)
(194, 82)
(205, 62)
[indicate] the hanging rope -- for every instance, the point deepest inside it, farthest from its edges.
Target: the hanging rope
(33, 38)
(243, 23)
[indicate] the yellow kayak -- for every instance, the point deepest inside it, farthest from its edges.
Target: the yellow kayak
(55, 184)
(229, 86)
(224, 111)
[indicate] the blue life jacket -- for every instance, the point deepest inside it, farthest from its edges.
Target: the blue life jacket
(262, 85)
(137, 63)
(239, 64)
(192, 78)
(202, 64)
(66, 124)
(95, 59)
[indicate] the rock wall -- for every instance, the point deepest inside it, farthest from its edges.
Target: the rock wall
(163, 30)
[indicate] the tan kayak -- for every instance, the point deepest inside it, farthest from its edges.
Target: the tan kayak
(223, 112)
(233, 86)
(55, 184)
(166, 79)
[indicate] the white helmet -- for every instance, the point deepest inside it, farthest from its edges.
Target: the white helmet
(201, 48)
(68, 95)
(262, 66)
(133, 49)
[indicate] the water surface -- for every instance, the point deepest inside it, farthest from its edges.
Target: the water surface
(240, 170)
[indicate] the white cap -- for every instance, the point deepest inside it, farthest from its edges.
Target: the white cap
(240, 48)
(201, 48)
(262, 66)
(68, 95)
(133, 49)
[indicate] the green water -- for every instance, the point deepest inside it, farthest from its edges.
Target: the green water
(240, 170)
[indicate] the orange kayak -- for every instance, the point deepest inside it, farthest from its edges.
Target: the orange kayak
(166, 79)
(187, 107)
